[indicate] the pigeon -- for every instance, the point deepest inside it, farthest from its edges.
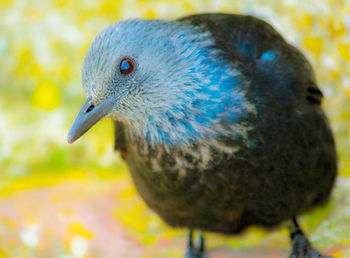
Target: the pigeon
(219, 120)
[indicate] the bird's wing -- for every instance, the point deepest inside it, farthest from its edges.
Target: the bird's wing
(261, 54)
(243, 36)
(119, 141)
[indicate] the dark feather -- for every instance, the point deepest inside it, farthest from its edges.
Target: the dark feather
(119, 136)
(284, 166)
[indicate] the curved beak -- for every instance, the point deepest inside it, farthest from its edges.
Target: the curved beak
(88, 115)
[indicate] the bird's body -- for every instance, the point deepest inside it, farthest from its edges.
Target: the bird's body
(230, 132)
(277, 161)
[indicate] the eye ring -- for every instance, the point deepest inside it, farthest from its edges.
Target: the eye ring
(126, 66)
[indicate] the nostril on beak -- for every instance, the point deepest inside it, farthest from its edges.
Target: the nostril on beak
(90, 108)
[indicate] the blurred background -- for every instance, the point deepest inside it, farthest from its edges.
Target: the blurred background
(60, 200)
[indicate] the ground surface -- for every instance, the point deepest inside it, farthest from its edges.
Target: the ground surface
(89, 216)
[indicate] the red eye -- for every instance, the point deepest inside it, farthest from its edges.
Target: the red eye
(126, 66)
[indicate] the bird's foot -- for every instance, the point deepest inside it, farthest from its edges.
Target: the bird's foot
(301, 245)
(192, 251)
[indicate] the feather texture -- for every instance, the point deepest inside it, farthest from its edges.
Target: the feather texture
(222, 122)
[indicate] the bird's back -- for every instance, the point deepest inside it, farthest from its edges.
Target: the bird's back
(283, 165)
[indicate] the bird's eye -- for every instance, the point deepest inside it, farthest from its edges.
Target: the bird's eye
(127, 66)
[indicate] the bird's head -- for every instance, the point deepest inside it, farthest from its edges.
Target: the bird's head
(147, 74)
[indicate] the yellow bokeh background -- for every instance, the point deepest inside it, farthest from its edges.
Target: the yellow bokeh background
(60, 200)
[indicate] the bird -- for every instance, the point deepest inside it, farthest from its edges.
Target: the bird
(219, 120)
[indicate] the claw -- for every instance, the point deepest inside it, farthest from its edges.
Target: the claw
(301, 245)
(193, 252)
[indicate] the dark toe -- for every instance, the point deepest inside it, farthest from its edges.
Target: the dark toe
(314, 254)
(194, 253)
(302, 247)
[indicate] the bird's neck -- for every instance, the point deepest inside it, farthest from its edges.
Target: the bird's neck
(198, 91)
(215, 106)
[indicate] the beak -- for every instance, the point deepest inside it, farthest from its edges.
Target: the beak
(88, 115)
